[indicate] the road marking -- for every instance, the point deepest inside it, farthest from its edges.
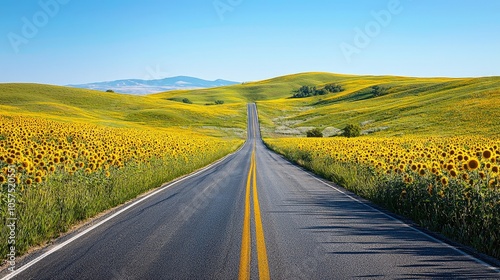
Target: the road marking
(251, 187)
(246, 249)
(259, 229)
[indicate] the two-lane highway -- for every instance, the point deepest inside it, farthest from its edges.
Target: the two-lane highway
(251, 216)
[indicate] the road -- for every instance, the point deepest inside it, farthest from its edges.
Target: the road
(252, 215)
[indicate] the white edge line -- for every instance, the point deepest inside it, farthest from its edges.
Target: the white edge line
(409, 226)
(162, 188)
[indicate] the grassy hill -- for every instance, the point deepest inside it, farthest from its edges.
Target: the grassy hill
(270, 89)
(415, 106)
(409, 106)
(420, 106)
(118, 110)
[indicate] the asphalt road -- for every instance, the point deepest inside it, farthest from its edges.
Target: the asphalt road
(253, 215)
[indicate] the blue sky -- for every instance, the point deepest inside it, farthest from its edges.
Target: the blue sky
(75, 41)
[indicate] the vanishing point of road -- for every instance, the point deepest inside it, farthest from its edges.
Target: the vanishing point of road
(252, 215)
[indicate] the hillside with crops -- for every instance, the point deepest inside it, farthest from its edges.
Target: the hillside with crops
(402, 106)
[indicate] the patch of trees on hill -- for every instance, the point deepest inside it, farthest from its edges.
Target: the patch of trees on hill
(377, 91)
(308, 91)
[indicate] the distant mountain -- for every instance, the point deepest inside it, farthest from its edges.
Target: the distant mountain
(141, 87)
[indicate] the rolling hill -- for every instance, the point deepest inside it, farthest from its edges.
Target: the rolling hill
(410, 106)
(118, 110)
(419, 106)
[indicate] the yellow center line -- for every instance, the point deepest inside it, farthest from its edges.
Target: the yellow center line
(259, 230)
(246, 249)
(251, 186)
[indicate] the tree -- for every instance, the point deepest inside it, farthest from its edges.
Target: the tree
(352, 130)
(308, 91)
(110, 90)
(334, 88)
(315, 132)
(187, 101)
(219, 102)
(304, 91)
(378, 91)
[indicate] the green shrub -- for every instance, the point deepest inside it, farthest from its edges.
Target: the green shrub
(352, 130)
(315, 132)
(378, 91)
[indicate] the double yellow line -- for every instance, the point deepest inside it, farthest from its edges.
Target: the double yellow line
(246, 241)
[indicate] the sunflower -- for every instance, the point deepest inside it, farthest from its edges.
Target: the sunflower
(444, 181)
(473, 164)
(453, 173)
(487, 154)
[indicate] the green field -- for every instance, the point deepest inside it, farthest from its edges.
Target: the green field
(119, 110)
(411, 106)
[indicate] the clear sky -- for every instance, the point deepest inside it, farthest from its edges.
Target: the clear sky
(80, 41)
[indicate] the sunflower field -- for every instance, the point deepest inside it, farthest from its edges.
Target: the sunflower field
(55, 174)
(450, 185)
